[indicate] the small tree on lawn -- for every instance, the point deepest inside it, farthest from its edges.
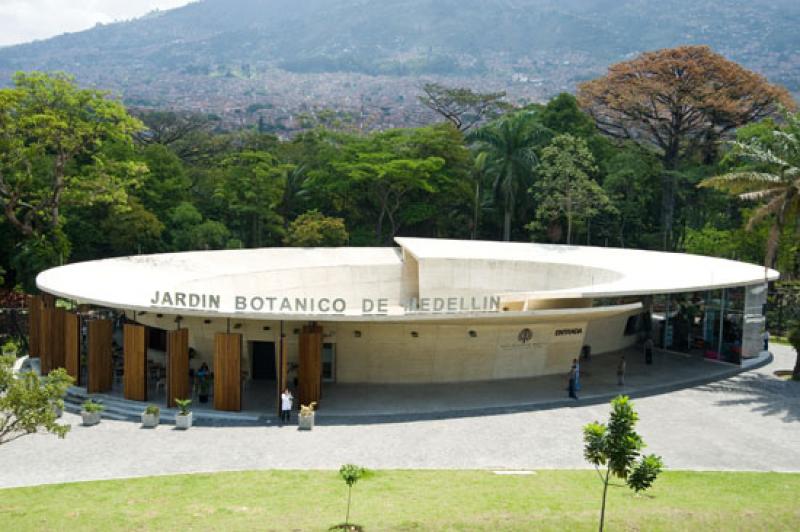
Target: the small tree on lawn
(28, 403)
(350, 474)
(617, 447)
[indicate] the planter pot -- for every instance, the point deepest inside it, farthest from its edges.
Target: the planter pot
(305, 422)
(150, 420)
(90, 418)
(183, 422)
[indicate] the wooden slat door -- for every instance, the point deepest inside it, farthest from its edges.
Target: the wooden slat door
(57, 346)
(34, 325)
(177, 366)
(72, 345)
(135, 358)
(46, 338)
(228, 372)
(99, 364)
(310, 370)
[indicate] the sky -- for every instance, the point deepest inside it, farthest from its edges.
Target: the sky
(26, 20)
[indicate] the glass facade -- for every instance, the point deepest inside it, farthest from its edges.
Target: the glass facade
(709, 323)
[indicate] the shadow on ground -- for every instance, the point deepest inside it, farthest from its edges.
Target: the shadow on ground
(765, 395)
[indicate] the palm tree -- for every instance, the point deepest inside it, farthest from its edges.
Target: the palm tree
(294, 193)
(509, 144)
(478, 174)
(773, 180)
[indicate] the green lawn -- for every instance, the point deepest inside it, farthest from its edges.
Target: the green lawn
(406, 500)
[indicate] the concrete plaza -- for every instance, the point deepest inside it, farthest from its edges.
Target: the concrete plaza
(750, 421)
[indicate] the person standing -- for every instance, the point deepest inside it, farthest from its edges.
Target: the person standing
(286, 406)
(765, 337)
(572, 377)
(621, 371)
(577, 366)
(648, 351)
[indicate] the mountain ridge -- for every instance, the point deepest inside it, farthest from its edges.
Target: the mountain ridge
(234, 54)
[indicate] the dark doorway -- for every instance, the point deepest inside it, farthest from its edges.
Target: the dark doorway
(263, 361)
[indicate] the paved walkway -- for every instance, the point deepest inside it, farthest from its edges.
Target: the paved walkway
(747, 422)
(358, 403)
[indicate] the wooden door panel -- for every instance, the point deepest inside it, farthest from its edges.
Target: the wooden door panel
(228, 372)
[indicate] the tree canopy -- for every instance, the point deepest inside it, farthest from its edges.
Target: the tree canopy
(81, 179)
(679, 102)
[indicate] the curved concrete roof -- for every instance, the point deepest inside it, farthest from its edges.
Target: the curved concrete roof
(253, 283)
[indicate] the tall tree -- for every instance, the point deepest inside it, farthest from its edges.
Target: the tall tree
(675, 100)
(566, 187)
(511, 143)
(464, 108)
(54, 140)
(250, 191)
(771, 176)
(169, 127)
(390, 180)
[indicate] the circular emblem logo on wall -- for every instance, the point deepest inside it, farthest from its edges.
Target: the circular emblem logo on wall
(525, 335)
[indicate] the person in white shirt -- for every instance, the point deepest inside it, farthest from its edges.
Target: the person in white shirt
(286, 406)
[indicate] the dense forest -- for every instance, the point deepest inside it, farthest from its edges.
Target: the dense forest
(698, 155)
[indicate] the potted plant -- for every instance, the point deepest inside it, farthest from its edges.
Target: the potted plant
(183, 420)
(91, 412)
(151, 416)
(10, 348)
(305, 421)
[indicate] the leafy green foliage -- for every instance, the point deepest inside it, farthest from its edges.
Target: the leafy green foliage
(566, 188)
(510, 144)
(55, 143)
(92, 407)
(617, 446)
(183, 405)
(28, 403)
(186, 184)
(768, 174)
(313, 229)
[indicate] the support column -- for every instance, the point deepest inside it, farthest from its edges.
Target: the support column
(34, 325)
(72, 345)
(177, 366)
(228, 372)
(99, 365)
(135, 359)
(310, 371)
(283, 370)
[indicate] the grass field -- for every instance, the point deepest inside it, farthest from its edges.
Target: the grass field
(406, 500)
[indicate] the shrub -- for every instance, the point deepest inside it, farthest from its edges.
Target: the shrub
(92, 406)
(183, 405)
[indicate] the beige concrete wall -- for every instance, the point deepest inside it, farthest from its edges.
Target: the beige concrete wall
(608, 334)
(389, 353)
(476, 277)
(447, 353)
